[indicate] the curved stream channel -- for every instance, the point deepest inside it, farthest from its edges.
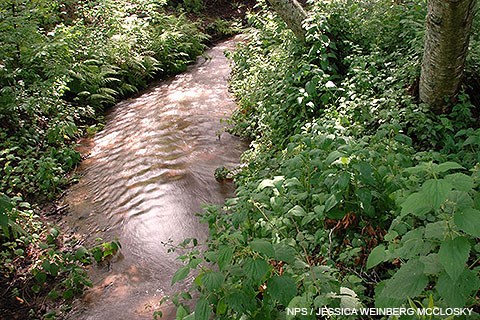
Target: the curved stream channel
(148, 173)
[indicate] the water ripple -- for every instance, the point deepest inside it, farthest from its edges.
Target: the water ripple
(148, 174)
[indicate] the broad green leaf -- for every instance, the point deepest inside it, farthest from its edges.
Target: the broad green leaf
(435, 191)
(417, 233)
(194, 262)
(5, 204)
(415, 204)
(460, 181)
(422, 167)
(436, 230)
(241, 302)
(256, 269)
(432, 264)
(364, 195)
(282, 288)
(180, 274)
(453, 255)
(263, 246)
(181, 313)
(210, 256)
(189, 317)
(4, 222)
(343, 180)
(284, 252)
(349, 299)
(296, 302)
(476, 201)
(413, 247)
(404, 139)
(319, 210)
(331, 202)
(293, 182)
(68, 294)
(198, 279)
(366, 172)
(456, 293)
(311, 88)
(458, 200)
(408, 282)
(378, 255)
(334, 155)
(236, 270)
(307, 219)
(203, 310)
(468, 221)
(324, 274)
(446, 166)
(321, 301)
(5, 207)
(213, 280)
(46, 265)
(297, 211)
(225, 255)
(81, 252)
(221, 307)
(186, 296)
(97, 255)
(383, 301)
(391, 235)
(267, 183)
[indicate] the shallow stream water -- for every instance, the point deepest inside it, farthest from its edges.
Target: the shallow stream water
(146, 176)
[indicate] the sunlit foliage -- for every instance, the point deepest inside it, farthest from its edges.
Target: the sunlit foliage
(62, 63)
(352, 194)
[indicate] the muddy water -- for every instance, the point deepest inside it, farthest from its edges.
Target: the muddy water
(148, 173)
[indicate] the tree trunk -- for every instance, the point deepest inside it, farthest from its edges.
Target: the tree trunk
(448, 26)
(292, 13)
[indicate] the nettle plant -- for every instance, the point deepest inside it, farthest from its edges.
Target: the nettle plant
(352, 193)
(275, 247)
(434, 239)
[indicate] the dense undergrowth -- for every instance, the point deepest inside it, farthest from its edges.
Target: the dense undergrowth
(353, 194)
(62, 63)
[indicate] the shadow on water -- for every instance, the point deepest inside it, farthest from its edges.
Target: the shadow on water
(148, 173)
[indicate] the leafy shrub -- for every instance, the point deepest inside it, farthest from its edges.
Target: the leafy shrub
(433, 235)
(62, 63)
(57, 270)
(57, 77)
(193, 5)
(221, 28)
(352, 194)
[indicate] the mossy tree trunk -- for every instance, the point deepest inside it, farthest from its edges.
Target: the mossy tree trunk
(448, 26)
(292, 13)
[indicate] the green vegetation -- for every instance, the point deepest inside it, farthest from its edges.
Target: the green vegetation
(353, 194)
(62, 63)
(220, 29)
(193, 5)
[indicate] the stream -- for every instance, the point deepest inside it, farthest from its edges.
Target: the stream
(147, 174)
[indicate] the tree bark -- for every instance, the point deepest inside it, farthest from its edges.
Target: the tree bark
(448, 26)
(292, 13)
